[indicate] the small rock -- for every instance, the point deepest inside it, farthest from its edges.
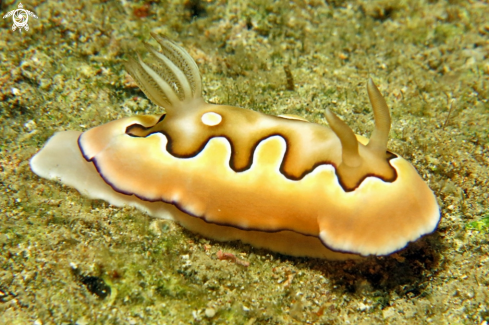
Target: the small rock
(96, 286)
(30, 125)
(15, 91)
(388, 312)
(210, 312)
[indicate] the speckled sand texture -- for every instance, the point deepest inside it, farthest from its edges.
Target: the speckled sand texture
(65, 259)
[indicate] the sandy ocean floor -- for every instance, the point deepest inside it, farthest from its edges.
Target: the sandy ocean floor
(65, 259)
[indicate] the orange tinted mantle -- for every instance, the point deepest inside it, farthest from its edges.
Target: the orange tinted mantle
(281, 183)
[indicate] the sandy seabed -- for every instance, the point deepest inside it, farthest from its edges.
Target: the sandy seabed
(69, 260)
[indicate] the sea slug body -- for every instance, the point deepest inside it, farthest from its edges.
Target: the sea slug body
(228, 173)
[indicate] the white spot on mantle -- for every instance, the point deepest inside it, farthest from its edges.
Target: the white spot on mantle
(211, 119)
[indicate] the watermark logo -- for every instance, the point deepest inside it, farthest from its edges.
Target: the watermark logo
(20, 17)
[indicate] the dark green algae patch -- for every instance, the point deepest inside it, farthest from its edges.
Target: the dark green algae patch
(431, 62)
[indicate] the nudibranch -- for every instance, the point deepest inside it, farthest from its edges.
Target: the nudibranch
(229, 173)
